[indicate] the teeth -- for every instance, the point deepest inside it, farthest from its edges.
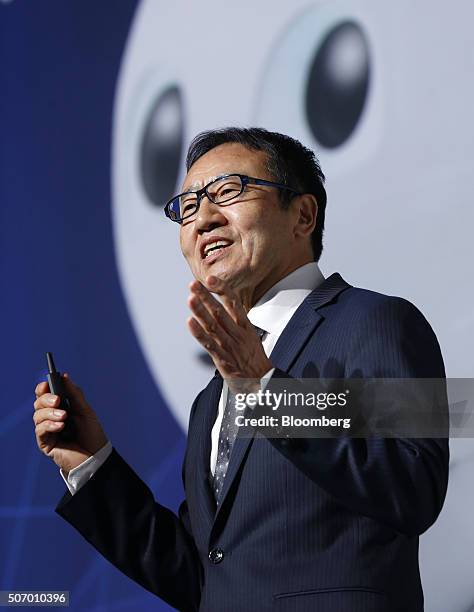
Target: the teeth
(213, 245)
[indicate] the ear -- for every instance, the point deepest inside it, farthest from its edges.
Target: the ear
(307, 208)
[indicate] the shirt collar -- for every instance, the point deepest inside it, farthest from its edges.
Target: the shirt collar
(274, 309)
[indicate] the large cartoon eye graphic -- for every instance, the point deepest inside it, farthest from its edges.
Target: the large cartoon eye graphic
(321, 84)
(337, 84)
(162, 146)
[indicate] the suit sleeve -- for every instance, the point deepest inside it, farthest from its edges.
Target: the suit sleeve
(400, 482)
(117, 513)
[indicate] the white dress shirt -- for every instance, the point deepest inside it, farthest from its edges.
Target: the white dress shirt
(271, 313)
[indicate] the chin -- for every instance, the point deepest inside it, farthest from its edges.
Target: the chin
(224, 274)
(235, 279)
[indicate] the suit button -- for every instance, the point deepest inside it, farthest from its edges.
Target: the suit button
(216, 555)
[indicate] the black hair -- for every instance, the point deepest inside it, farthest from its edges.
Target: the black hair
(288, 162)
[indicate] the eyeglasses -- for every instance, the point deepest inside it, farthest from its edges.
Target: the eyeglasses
(221, 190)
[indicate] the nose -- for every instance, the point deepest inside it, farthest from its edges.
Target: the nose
(209, 216)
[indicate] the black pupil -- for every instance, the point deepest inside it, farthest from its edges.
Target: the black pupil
(162, 146)
(338, 84)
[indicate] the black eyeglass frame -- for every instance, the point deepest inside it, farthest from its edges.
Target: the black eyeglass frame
(244, 180)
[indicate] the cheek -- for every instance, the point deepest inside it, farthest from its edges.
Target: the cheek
(184, 243)
(257, 245)
(255, 229)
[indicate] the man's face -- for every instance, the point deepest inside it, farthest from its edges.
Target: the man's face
(256, 230)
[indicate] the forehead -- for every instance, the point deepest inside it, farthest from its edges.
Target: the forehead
(229, 157)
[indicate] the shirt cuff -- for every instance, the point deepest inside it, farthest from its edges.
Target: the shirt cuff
(78, 476)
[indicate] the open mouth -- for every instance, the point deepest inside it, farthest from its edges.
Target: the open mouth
(212, 250)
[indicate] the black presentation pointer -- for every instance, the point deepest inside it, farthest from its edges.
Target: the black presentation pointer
(56, 386)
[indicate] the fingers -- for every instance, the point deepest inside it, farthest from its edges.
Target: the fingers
(229, 297)
(41, 388)
(212, 315)
(72, 389)
(73, 392)
(212, 318)
(216, 327)
(47, 400)
(46, 432)
(48, 414)
(211, 346)
(48, 427)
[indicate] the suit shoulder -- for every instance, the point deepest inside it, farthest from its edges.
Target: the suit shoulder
(372, 314)
(365, 303)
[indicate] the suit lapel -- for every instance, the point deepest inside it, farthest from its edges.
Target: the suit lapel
(304, 321)
(284, 354)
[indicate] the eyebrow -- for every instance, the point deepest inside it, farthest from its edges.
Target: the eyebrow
(197, 186)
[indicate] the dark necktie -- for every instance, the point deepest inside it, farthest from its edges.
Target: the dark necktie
(227, 436)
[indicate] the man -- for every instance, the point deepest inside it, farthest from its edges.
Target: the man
(267, 523)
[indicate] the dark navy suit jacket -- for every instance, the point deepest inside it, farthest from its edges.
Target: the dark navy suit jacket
(328, 526)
